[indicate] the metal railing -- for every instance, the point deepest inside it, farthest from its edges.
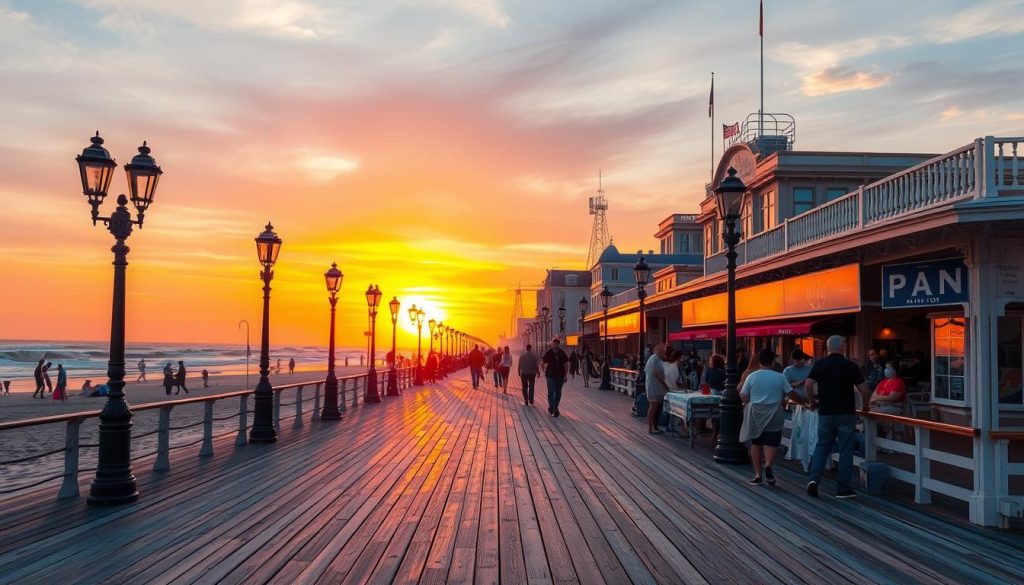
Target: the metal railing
(351, 391)
(623, 380)
(988, 167)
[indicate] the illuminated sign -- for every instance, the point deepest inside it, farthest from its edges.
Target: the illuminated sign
(622, 324)
(924, 284)
(836, 290)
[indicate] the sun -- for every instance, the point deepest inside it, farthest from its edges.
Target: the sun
(432, 309)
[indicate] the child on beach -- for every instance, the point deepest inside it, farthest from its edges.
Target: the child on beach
(142, 371)
(62, 384)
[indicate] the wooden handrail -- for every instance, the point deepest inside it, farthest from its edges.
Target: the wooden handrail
(624, 370)
(927, 424)
(1008, 435)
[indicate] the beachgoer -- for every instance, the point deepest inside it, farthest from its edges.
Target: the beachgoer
(506, 367)
(529, 370)
(40, 385)
(7, 387)
(168, 378)
(764, 415)
(291, 366)
(277, 370)
(556, 374)
(179, 378)
(476, 365)
(61, 393)
(655, 387)
(142, 370)
(830, 390)
(46, 377)
(206, 378)
(87, 388)
(890, 394)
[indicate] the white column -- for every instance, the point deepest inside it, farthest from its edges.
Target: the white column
(983, 314)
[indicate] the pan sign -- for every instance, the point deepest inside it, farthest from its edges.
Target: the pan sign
(924, 284)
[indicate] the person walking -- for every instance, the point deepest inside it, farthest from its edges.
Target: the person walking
(528, 369)
(764, 415)
(506, 368)
(585, 359)
(804, 435)
(556, 374)
(46, 377)
(206, 378)
(291, 366)
(40, 385)
(655, 387)
(179, 378)
(476, 365)
(431, 367)
(168, 378)
(574, 364)
(61, 393)
(496, 367)
(142, 370)
(830, 390)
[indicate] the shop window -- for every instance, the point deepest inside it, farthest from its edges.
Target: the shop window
(835, 193)
(803, 200)
(948, 367)
(1011, 356)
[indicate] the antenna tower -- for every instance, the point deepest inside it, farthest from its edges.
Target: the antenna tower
(517, 310)
(599, 238)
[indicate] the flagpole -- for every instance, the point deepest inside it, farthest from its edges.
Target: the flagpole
(760, 112)
(712, 127)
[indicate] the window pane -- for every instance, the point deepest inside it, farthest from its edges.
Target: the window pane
(941, 387)
(803, 195)
(799, 208)
(835, 193)
(1011, 385)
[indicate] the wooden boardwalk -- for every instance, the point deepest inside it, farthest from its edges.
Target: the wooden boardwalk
(451, 485)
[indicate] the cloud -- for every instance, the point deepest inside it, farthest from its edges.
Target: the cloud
(841, 78)
(488, 12)
(951, 113)
(989, 19)
(323, 167)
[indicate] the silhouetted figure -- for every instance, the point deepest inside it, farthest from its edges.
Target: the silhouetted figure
(46, 377)
(168, 378)
(7, 387)
(432, 367)
(574, 364)
(476, 365)
(179, 378)
(40, 385)
(62, 384)
(206, 378)
(291, 366)
(142, 371)
(277, 370)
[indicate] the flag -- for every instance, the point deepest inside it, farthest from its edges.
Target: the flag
(711, 98)
(730, 131)
(760, 20)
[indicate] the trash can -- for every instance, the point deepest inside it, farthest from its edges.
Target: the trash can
(874, 476)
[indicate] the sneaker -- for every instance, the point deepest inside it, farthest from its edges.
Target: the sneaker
(551, 410)
(756, 480)
(769, 475)
(556, 414)
(846, 494)
(812, 489)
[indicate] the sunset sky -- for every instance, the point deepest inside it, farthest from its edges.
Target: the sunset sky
(444, 149)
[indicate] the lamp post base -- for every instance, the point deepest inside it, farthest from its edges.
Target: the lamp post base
(606, 378)
(330, 410)
(263, 430)
(729, 449)
(372, 393)
(419, 375)
(115, 482)
(393, 383)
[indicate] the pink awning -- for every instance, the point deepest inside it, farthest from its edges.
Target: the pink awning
(775, 329)
(698, 333)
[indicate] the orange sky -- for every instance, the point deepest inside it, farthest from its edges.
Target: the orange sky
(443, 149)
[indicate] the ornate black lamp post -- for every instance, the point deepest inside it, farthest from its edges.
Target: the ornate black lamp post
(729, 199)
(561, 322)
(416, 317)
(333, 278)
(642, 272)
(393, 372)
(372, 302)
(268, 245)
(545, 314)
(606, 368)
(115, 482)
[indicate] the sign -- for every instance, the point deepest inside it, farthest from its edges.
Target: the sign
(621, 325)
(924, 284)
(836, 290)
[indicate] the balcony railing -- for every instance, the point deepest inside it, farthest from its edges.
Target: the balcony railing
(989, 167)
(630, 295)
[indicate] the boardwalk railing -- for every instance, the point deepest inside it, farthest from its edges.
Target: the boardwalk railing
(351, 392)
(623, 380)
(989, 167)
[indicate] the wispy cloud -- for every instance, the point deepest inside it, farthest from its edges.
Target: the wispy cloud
(297, 19)
(324, 167)
(842, 78)
(823, 69)
(489, 12)
(985, 19)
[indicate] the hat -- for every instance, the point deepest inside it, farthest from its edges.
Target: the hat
(798, 354)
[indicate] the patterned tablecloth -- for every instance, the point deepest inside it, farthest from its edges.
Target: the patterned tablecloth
(681, 404)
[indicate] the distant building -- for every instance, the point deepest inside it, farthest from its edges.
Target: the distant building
(563, 288)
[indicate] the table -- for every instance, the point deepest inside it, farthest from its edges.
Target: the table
(689, 405)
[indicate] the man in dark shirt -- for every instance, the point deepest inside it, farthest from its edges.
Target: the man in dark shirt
(555, 372)
(830, 387)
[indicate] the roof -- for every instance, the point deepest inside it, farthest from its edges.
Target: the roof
(558, 278)
(611, 254)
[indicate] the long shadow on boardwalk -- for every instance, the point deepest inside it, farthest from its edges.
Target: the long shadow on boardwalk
(451, 485)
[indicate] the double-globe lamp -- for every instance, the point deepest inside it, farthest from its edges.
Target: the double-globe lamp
(372, 302)
(416, 316)
(330, 411)
(393, 390)
(606, 369)
(641, 273)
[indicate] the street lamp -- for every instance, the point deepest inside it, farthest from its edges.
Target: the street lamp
(606, 369)
(115, 482)
(561, 322)
(729, 198)
(432, 324)
(546, 316)
(333, 278)
(641, 272)
(268, 245)
(393, 372)
(372, 302)
(416, 316)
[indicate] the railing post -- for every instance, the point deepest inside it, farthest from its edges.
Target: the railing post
(355, 391)
(69, 489)
(207, 449)
(922, 466)
(870, 432)
(277, 410)
(316, 404)
(163, 441)
(862, 219)
(298, 408)
(985, 180)
(243, 419)
(341, 399)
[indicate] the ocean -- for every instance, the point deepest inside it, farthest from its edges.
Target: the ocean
(87, 358)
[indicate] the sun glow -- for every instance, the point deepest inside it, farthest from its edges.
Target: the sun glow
(432, 307)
